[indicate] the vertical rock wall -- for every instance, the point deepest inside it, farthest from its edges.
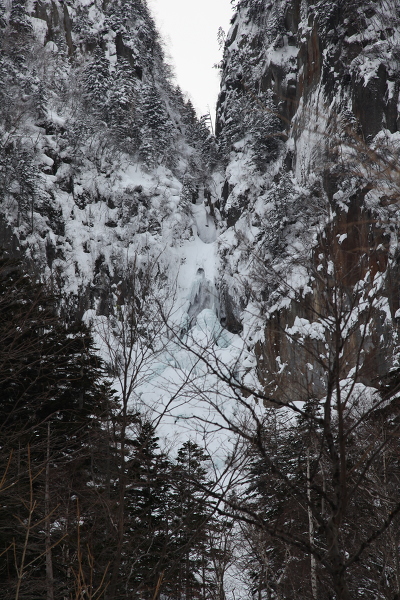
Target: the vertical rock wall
(330, 197)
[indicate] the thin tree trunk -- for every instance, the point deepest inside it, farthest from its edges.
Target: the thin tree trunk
(32, 506)
(314, 590)
(49, 558)
(115, 574)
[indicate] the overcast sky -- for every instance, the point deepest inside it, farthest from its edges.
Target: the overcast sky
(189, 28)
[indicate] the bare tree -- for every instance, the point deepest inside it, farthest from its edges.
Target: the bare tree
(328, 458)
(132, 338)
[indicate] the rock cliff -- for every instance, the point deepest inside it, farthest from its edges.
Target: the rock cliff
(308, 122)
(100, 153)
(106, 171)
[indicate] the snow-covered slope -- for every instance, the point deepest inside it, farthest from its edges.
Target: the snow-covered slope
(100, 153)
(107, 192)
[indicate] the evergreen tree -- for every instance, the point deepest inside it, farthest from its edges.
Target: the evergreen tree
(4, 79)
(3, 22)
(48, 371)
(19, 18)
(40, 99)
(123, 107)
(147, 501)
(19, 40)
(50, 394)
(192, 522)
(277, 491)
(157, 129)
(201, 139)
(254, 116)
(133, 22)
(189, 117)
(96, 82)
(264, 127)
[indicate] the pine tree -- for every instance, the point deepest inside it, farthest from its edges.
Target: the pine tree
(277, 491)
(4, 78)
(3, 22)
(19, 18)
(264, 127)
(147, 514)
(40, 99)
(192, 522)
(19, 39)
(49, 397)
(133, 21)
(123, 107)
(157, 129)
(96, 82)
(48, 371)
(254, 116)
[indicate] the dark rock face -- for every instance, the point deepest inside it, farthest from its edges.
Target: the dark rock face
(329, 48)
(127, 53)
(357, 248)
(332, 70)
(58, 22)
(372, 107)
(229, 314)
(309, 64)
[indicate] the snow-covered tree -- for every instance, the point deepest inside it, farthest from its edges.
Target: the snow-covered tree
(19, 18)
(157, 130)
(96, 82)
(124, 106)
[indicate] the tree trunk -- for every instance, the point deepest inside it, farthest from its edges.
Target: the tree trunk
(311, 533)
(49, 558)
(115, 574)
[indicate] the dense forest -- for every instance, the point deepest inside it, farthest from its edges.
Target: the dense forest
(199, 359)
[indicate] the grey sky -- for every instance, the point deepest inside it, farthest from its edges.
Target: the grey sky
(189, 28)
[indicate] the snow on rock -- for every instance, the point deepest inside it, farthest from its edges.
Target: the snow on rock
(204, 224)
(307, 119)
